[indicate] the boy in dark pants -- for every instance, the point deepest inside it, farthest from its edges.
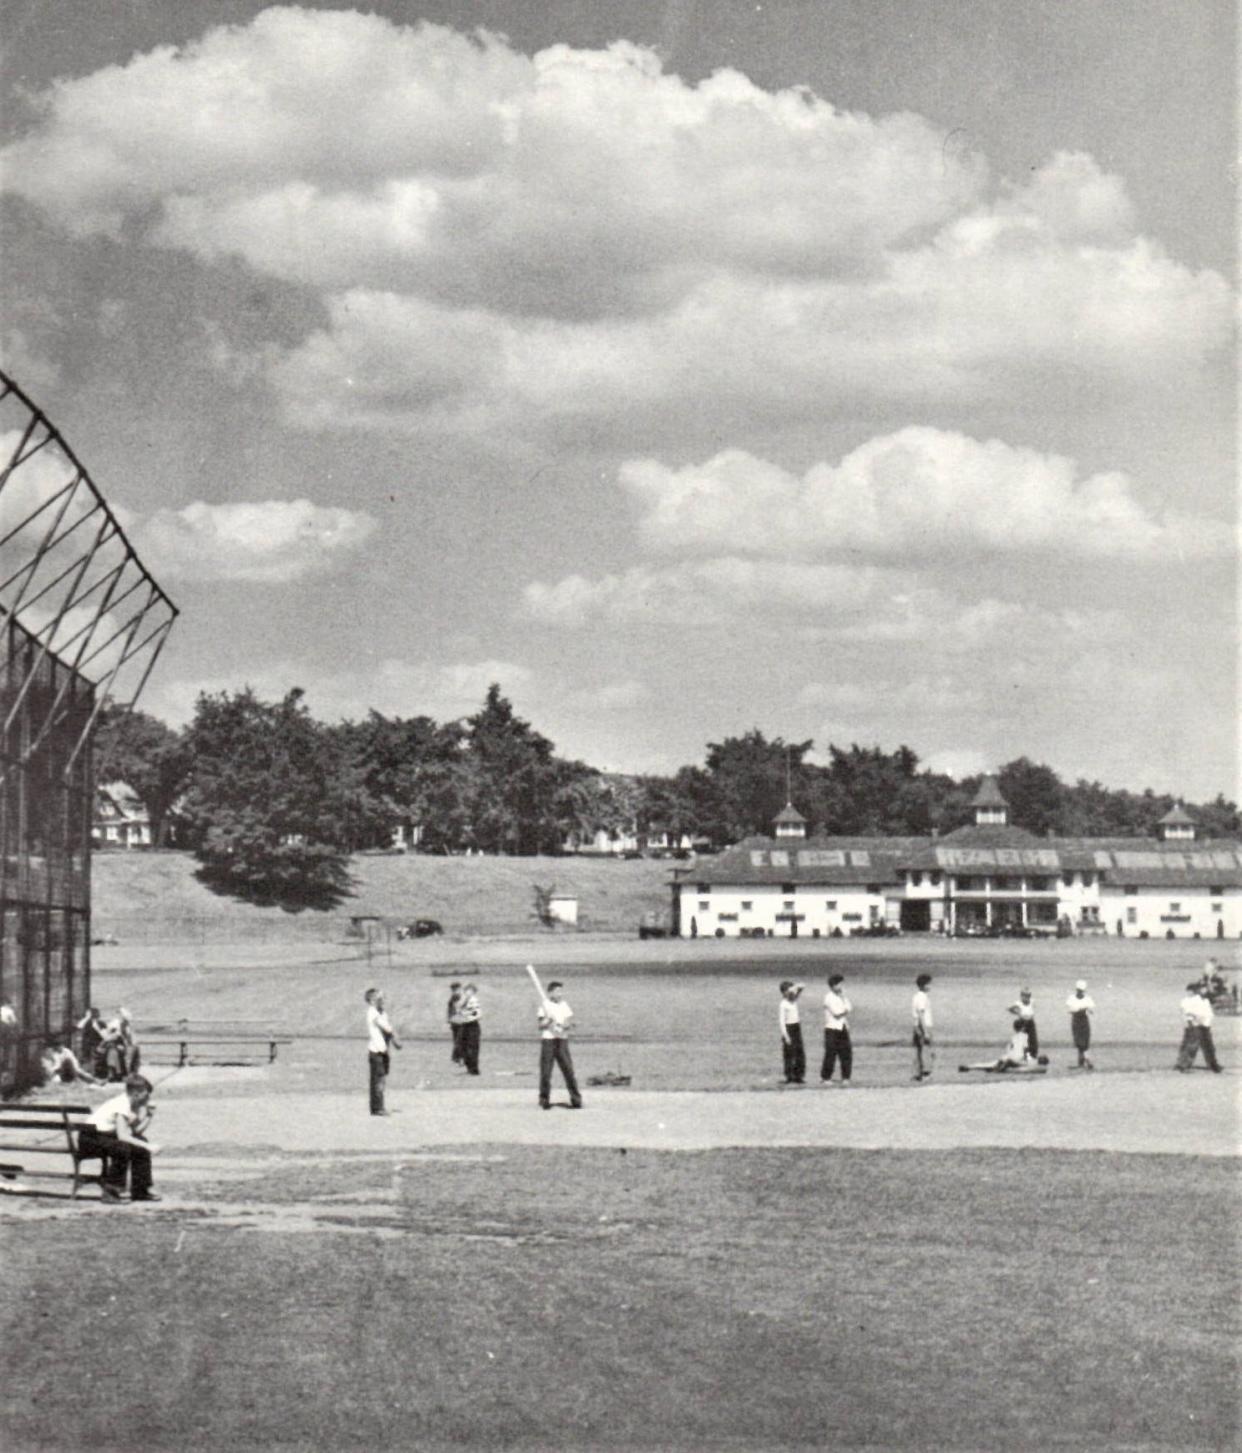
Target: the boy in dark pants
(837, 1046)
(116, 1134)
(793, 1054)
(555, 1021)
(380, 1035)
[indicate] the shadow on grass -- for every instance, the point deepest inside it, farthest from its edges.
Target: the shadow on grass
(321, 892)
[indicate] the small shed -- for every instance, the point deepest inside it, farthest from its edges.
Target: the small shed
(563, 908)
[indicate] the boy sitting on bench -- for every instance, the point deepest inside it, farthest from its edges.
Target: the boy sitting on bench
(117, 1134)
(58, 1062)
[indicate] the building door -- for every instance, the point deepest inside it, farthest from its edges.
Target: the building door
(915, 915)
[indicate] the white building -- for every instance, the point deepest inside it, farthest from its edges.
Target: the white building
(985, 878)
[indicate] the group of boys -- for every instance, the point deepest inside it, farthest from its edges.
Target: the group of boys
(1022, 1049)
(555, 1019)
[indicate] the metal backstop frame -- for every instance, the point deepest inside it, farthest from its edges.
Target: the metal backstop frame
(82, 624)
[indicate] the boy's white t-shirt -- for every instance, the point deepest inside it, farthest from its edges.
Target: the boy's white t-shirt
(920, 1009)
(789, 1012)
(555, 1019)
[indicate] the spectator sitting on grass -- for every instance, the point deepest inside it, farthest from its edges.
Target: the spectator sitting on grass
(58, 1062)
(92, 1029)
(121, 1054)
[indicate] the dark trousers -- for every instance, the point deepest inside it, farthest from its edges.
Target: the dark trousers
(120, 1158)
(1032, 1036)
(455, 1030)
(794, 1055)
(556, 1051)
(471, 1037)
(837, 1046)
(1208, 1046)
(379, 1073)
(1189, 1047)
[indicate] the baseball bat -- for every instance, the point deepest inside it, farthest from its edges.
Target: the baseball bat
(534, 978)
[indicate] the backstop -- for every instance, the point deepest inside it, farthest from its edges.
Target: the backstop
(82, 623)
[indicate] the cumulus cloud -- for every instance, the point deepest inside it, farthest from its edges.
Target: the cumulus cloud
(705, 592)
(264, 541)
(921, 492)
(337, 148)
(507, 241)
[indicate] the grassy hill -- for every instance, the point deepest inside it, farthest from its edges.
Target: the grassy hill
(156, 897)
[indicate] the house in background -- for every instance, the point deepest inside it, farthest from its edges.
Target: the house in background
(121, 820)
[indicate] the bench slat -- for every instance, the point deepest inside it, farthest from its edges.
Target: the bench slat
(45, 1125)
(26, 1107)
(35, 1149)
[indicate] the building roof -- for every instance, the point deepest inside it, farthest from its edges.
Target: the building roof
(846, 861)
(1177, 816)
(989, 794)
(789, 813)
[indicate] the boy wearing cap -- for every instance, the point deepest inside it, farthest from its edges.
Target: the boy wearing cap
(837, 1046)
(793, 1053)
(1081, 1007)
(920, 1009)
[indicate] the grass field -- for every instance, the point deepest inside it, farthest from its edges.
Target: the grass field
(703, 1261)
(544, 1298)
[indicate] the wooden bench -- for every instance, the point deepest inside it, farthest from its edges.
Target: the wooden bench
(248, 1038)
(35, 1130)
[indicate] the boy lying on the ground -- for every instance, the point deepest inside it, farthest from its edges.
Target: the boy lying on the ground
(1016, 1057)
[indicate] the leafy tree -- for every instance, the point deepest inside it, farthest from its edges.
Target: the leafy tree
(749, 781)
(1034, 794)
(273, 803)
(148, 756)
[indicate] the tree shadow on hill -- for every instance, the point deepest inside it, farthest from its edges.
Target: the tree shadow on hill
(293, 878)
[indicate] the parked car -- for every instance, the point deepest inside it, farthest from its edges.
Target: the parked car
(420, 928)
(654, 924)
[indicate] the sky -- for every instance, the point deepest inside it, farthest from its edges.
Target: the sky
(861, 373)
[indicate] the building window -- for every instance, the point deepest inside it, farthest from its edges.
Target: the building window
(704, 905)
(934, 879)
(1175, 907)
(748, 905)
(1131, 915)
(831, 905)
(873, 887)
(1003, 885)
(788, 905)
(1217, 892)
(1039, 885)
(1216, 907)
(966, 885)
(1088, 879)
(1131, 890)
(916, 879)
(788, 888)
(705, 887)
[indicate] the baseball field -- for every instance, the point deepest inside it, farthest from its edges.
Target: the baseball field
(701, 1258)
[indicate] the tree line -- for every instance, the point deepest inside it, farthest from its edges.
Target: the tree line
(273, 802)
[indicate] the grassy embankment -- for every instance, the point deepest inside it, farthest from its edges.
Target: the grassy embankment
(156, 897)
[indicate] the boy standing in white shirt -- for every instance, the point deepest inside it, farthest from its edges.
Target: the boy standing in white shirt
(837, 1046)
(1081, 1007)
(380, 1034)
(793, 1052)
(556, 1019)
(921, 1011)
(1189, 1046)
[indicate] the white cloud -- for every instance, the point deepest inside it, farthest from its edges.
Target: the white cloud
(265, 541)
(706, 592)
(753, 255)
(611, 696)
(921, 492)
